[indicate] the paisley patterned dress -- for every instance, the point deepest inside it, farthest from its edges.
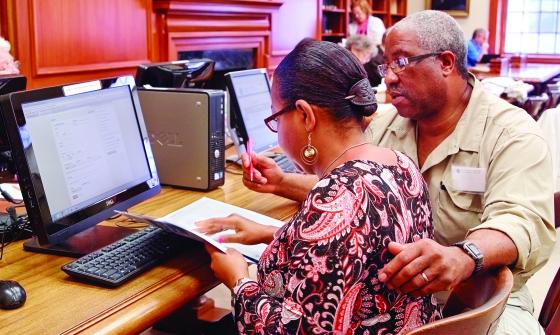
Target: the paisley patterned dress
(319, 274)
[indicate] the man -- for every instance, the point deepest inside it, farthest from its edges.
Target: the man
(477, 47)
(486, 164)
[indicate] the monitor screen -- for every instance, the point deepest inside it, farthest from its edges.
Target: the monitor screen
(249, 92)
(177, 74)
(8, 84)
(81, 152)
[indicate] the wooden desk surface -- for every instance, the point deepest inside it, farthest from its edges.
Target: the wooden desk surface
(57, 304)
(531, 73)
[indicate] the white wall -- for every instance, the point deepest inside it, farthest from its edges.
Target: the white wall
(478, 14)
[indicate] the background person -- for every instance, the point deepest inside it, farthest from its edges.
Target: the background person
(477, 46)
(364, 23)
(319, 272)
(363, 48)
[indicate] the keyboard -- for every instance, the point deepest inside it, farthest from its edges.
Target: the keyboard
(285, 163)
(126, 258)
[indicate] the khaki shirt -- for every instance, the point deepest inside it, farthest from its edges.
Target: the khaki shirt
(518, 199)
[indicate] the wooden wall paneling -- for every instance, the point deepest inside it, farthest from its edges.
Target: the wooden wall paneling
(61, 41)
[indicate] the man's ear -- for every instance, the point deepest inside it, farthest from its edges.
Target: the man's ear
(447, 59)
(307, 114)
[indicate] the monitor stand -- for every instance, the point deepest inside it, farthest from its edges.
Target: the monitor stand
(82, 243)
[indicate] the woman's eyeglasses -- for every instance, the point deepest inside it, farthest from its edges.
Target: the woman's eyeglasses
(272, 121)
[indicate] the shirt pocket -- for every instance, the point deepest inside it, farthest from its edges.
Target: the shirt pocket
(456, 213)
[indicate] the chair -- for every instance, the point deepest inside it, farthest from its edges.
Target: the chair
(550, 312)
(535, 105)
(474, 306)
(553, 90)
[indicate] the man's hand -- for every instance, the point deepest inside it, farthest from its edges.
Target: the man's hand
(425, 267)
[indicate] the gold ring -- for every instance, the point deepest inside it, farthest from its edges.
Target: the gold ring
(423, 275)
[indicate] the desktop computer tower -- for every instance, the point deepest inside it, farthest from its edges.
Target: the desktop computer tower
(186, 129)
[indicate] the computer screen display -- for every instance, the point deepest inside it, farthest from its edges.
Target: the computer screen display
(249, 92)
(81, 151)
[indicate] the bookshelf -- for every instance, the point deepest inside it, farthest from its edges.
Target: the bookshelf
(334, 16)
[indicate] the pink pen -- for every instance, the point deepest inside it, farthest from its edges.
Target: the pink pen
(250, 152)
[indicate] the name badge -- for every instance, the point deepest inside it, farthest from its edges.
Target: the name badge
(468, 179)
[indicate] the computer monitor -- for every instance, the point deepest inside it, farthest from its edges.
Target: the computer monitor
(8, 84)
(177, 74)
(81, 152)
(488, 57)
(250, 104)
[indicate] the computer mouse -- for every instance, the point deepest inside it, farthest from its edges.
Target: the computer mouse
(12, 295)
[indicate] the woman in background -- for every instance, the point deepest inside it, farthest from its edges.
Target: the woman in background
(362, 47)
(319, 272)
(364, 23)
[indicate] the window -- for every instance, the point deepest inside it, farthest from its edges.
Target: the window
(533, 27)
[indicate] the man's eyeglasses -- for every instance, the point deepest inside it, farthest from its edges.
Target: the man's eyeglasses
(399, 65)
(272, 121)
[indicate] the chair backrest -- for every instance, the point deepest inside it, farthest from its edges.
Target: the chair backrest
(553, 91)
(474, 306)
(550, 312)
(535, 105)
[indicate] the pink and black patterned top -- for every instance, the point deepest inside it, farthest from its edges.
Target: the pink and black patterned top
(319, 275)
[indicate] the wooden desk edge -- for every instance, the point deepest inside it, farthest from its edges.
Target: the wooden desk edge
(142, 310)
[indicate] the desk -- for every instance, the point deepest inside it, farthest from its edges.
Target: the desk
(57, 304)
(532, 73)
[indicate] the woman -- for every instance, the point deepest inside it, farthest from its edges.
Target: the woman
(319, 272)
(364, 23)
(362, 47)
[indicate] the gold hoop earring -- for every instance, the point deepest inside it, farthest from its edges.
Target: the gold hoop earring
(309, 153)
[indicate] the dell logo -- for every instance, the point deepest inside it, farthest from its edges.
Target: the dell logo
(166, 138)
(110, 202)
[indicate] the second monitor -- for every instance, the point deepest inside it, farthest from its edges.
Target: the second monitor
(251, 102)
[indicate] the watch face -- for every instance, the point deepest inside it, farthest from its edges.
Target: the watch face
(473, 250)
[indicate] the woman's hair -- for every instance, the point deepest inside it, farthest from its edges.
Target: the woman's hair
(364, 6)
(361, 43)
(326, 75)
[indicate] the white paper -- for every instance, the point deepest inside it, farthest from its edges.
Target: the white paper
(182, 222)
(13, 190)
(468, 179)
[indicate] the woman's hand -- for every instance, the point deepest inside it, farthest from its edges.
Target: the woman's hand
(267, 176)
(246, 231)
(228, 267)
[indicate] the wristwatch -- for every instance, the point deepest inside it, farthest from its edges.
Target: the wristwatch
(473, 252)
